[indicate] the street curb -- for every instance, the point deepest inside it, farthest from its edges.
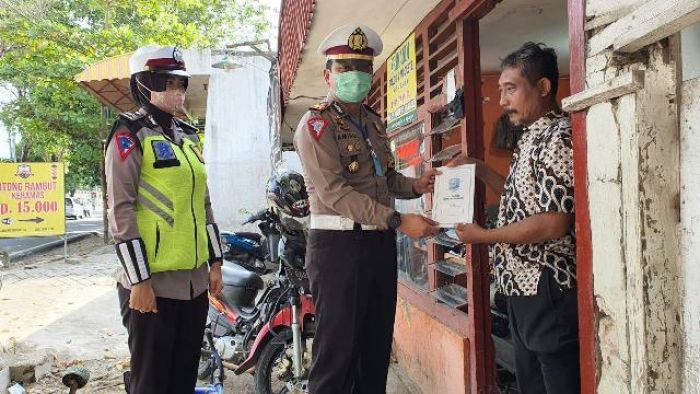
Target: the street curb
(48, 246)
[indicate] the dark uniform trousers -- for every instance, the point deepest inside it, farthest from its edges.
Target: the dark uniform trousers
(545, 335)
(165, 346)
(353, 282)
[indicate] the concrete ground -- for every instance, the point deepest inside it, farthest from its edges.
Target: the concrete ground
(67, 312)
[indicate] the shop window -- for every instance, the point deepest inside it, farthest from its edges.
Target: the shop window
(407, 147)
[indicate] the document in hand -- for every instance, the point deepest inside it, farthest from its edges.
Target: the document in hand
(453, 200)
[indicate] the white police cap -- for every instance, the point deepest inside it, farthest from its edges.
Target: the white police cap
(165, 60)
(352, 42)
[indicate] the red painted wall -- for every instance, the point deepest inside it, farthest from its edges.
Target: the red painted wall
(434, 357)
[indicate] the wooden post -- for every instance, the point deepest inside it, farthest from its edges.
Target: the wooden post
(481, 351)
(584, 264)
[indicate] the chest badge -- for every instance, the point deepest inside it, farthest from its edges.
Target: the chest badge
(163, 150)
(341, 123)
(198, 153)
(164, 154)
(353, 167)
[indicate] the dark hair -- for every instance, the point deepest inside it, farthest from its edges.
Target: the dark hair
(535, 61)
(329, 64)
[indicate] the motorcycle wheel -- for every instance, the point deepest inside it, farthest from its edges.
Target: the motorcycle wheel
(273, 359)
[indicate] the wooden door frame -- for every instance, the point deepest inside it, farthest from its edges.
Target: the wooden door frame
(584, 262)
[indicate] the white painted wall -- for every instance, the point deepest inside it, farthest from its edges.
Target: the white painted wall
(690, 52)
(291, 161)
(237, 144)
(690, 232)
(633, 175)
(605, 199)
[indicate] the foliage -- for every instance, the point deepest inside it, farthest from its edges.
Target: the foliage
(45, 43)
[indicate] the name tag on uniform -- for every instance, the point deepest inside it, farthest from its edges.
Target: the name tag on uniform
(165, 155)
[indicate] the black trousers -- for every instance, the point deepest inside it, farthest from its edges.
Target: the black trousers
(165, 346)
(545, 335)
(353, 281)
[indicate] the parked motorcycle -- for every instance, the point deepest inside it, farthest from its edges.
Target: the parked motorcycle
(252, 251)
(269, 329)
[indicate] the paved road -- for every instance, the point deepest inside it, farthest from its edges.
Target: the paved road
(13, 245)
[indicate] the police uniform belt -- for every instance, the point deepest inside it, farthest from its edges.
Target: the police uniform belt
(333, 222)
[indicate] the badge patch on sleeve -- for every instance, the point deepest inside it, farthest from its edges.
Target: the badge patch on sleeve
(125, 144)
(316, 127)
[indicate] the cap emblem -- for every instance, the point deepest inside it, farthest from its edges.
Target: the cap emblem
(357, 40)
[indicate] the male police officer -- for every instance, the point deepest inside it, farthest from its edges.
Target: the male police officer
(351, 252)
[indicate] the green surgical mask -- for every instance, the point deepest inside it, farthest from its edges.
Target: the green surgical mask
(352, 86)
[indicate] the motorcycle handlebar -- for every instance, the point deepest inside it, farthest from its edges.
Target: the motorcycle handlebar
(263, 215)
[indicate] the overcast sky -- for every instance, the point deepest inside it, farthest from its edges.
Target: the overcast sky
(273, 17)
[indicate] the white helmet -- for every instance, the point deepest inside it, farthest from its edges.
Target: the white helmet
(162, 60)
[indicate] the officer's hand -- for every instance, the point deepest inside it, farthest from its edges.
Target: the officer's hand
(417, 226)
(426, 183)
(143, 299)
(216, 284)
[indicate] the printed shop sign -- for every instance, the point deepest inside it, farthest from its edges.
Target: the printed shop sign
(32, 199)
(402, 86)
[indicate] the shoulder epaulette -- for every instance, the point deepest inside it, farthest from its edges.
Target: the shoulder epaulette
(320, 107)
(132, 116)
(132, 121)
(186, 127)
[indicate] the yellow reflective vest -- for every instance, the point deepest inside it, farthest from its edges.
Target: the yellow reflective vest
(170, 208)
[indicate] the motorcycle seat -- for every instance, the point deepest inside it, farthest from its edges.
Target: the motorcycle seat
(254, 236)
(235, 275)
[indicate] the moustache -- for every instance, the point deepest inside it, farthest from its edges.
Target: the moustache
(510, 111)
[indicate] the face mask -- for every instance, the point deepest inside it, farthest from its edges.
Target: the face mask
(352, 86)
(169, 101)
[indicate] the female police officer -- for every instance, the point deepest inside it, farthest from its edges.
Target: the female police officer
(161, 220)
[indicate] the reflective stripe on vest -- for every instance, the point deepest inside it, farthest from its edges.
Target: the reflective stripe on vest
(170, 208)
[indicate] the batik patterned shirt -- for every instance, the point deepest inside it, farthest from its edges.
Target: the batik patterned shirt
(540, 180)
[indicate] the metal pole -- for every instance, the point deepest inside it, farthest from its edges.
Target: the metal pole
(65, 247)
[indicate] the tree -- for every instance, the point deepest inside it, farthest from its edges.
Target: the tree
(45, 43)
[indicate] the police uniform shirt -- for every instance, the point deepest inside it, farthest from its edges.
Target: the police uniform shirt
(338, 165)
(122, 194)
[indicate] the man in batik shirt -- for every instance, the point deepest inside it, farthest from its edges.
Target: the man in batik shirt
(533, 244)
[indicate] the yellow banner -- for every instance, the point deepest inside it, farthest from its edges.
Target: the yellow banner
(32, 200)
(402, 86)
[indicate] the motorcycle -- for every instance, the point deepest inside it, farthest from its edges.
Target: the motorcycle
(271, 336)
(253, 251)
